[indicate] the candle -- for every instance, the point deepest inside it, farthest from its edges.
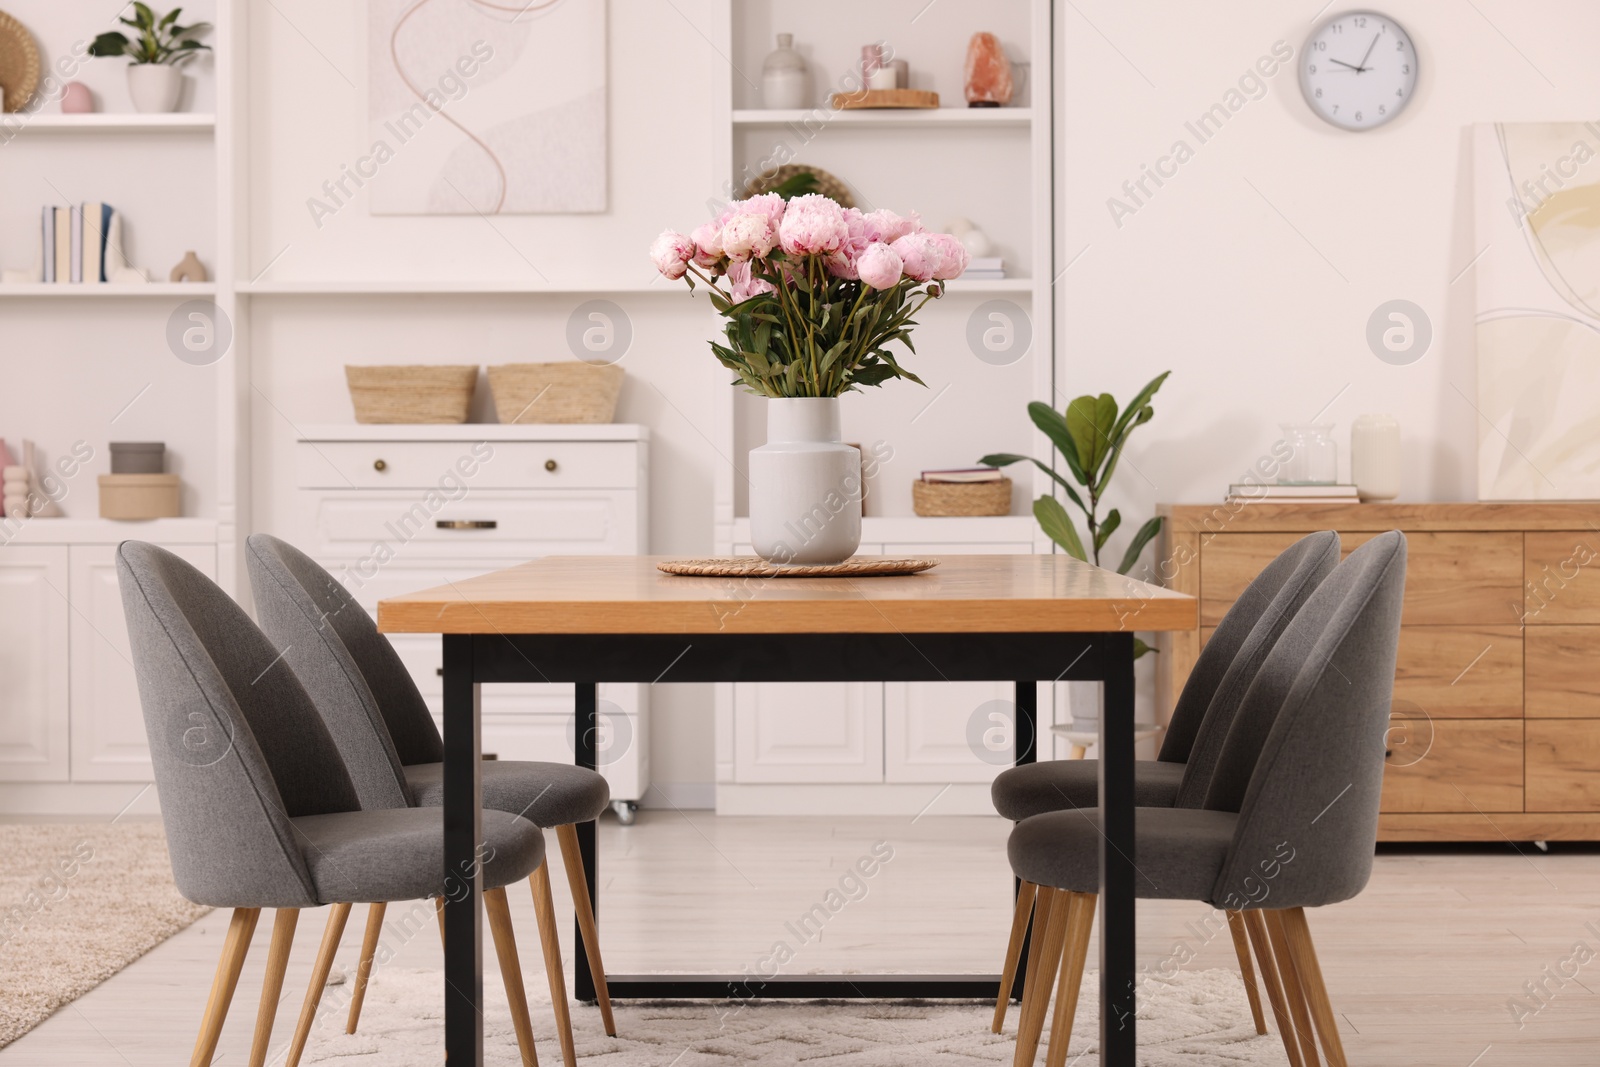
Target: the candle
(1375, 456)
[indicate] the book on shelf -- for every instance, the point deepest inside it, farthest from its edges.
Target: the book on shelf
(1291, 494)
(985, 267)
(75, 244)
(62, 226)
(964, 475)
(96, 224)
(73, 241)
(47, 243)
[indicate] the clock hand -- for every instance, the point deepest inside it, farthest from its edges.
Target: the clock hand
(1342, 63)
(1370, 47)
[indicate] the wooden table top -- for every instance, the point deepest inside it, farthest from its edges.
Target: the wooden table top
(628, 595)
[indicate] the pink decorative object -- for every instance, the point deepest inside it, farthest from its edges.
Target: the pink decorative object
(76, 99)
(871, 60)
(988, 72)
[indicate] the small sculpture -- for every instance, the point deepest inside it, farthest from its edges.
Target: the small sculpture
(189, 269)
(76, 99)
(988, 72)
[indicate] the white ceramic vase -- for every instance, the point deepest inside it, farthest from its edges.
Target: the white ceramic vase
(154, 87)
(1375, 457)
(805, 485)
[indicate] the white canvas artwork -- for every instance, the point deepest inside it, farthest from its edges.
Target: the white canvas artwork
(486, 107)
(1538, 300)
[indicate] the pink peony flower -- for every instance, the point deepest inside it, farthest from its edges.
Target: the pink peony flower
(671, 253)
(743, 284)
(842, 264)
(879, 266)
(953, 256)
(884, 225)
(812, 225)
(707, 239)
(748, 235)
(769, 206)
(919, 255)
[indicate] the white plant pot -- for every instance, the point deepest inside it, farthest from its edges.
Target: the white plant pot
(805, 485)
(154, 87)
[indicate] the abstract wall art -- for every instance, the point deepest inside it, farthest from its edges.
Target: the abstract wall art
(486, 107)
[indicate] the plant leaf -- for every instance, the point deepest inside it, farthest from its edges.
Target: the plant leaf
(1138, 402)
(1136, 546)
(1053, 426)
(1057, 525)
(109, 44)
(1140, 648)
(1005, 459)
(1113, 520)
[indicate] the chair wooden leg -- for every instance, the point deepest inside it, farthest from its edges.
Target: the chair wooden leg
(438, 909)
(1078, 752)
(1298, 937)
(1080, 924)
(505, 947)
(1041, 919)
(544, 908)
(1008, 970)
(283, 924)
(1036, 998)
(1247, 971)
(369, 949)
(1269, 978)
(572, 858)
(1293, 991)
(337, 916)
(234, 946)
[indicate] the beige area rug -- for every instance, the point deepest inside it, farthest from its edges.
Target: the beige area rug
(78, 904)
(1200, 1019)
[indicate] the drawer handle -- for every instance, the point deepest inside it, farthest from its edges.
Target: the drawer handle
(379, 465)
(550, 465)
(466, 524)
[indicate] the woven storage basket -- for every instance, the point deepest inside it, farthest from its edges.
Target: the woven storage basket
(961, 498)
(555, 392)
(411, 393)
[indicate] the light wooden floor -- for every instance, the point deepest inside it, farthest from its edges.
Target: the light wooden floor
(1422, 967)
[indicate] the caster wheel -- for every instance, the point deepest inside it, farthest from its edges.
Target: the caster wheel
(626, 810)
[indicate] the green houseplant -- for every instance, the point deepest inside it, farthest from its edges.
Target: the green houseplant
(158, 50)
(1090, 436)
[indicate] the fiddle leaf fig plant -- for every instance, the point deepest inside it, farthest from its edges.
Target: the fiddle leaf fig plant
(1090, 436)
(159, 40)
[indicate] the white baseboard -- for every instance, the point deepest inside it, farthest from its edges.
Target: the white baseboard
(964, 798)
(97, 800)
(684, 796)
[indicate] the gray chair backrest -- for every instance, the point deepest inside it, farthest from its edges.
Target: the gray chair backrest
(237, 747)
(1229, 662)
(1308, 820)
(373, 709)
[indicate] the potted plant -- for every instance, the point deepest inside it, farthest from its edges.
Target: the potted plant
(814, 296)
(158, 52)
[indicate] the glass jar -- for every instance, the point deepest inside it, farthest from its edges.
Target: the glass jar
(1315, 455)
(785, 81)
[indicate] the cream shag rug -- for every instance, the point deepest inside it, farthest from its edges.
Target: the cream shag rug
(1199, 1019)
(78, 904)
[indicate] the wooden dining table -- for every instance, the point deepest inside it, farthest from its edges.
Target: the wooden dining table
(594, 619)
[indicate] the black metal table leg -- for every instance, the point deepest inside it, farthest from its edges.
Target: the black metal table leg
(586, 707)
(1117, 872)
(463, 831)
(1026, 729)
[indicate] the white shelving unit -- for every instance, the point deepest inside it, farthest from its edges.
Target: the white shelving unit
(107, 291)
(944, 117)
(107, 122)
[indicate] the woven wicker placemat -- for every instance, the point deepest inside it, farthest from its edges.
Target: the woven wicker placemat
(756, 567)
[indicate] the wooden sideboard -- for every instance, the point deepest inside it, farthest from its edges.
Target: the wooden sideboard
(1495, 732)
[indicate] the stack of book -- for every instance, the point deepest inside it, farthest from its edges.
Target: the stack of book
(963, 476)
(73, 241)
(1256, 493)
(985, 267)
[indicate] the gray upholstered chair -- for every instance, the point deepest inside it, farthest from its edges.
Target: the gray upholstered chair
(1181, 774)
(1289, 822)
(258, 807)
(388, 739)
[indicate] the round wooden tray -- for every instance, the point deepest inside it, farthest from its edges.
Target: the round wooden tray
(756, 567)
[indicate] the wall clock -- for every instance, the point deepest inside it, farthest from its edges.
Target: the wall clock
(1358, 70)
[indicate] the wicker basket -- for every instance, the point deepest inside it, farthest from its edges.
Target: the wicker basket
(411, 393)
(555, 392)
(944, 499)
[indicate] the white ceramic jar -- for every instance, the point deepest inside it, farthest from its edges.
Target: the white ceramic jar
(805, 485)
(1375, 456)
(785, 81)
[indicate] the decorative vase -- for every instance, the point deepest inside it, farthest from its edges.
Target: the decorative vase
(805, 485)
(154, 87)
(785, 82)
(1375, 456)
(1315, 459)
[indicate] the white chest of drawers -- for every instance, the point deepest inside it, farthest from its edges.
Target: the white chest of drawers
(394, 509)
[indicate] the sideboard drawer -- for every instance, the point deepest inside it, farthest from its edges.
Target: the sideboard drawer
(1564, 765)
(1459, 765)
(1562, 583)
(480, 523)
(1229, 562)
(1563, 672)
(473, 464)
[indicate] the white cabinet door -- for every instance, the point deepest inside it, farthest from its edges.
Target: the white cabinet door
(108, 738)
(808, 732)
(948, 731)
(33, 664)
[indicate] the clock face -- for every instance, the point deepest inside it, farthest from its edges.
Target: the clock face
(1358, 70)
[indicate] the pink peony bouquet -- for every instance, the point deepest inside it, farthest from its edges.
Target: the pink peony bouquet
(814, 292)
